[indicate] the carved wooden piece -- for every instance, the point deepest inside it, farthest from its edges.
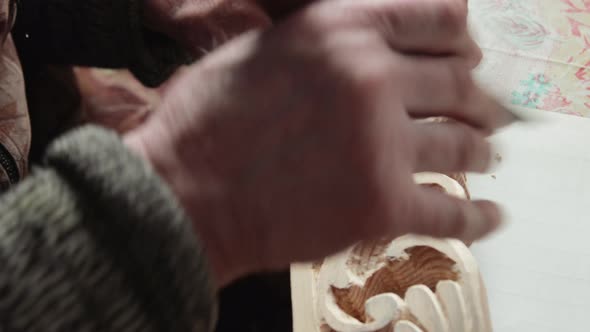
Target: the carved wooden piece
(451, 297)
(406, 326)
(411, 283)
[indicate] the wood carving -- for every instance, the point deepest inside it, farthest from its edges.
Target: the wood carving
(408, 284)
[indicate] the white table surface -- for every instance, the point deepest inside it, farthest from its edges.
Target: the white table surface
(537, 269)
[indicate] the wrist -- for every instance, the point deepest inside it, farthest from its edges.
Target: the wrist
(205, 204)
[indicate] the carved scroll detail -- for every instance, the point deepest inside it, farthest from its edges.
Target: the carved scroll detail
(408, 284)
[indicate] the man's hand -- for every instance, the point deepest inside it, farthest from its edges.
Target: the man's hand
(290, 144)
(200, 26)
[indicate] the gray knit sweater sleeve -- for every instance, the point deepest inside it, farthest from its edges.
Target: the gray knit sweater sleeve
(96, 242)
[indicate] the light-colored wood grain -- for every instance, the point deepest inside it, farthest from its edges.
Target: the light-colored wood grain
(406, 326)
(450, 297)
(425, 307)
(370, 287)
(302, 298)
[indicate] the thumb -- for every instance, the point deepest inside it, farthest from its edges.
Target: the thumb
(438, 214)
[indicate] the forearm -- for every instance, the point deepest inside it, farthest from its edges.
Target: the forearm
(101, 33)
(96, 242)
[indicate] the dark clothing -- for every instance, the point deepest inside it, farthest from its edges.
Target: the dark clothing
(93, 240)
(53, 35)
(98, 33)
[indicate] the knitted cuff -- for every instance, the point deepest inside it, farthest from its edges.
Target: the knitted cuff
(142, 227)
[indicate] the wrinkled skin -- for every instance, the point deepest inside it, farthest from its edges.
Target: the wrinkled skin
(15, 130)
(290, 144)
(115, 99)
(201, 26)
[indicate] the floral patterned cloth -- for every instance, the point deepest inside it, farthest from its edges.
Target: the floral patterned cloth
(536, 52)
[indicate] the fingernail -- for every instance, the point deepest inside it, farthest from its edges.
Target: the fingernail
(502, 222)
(508, 117)
(484, 218)
(501, 217)
(475, 226)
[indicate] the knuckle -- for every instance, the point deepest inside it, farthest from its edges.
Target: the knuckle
(452, 15)
(447, 222)
(455, 223)
(364, 81)
(369, 75)
(466, 147)
(390, 24)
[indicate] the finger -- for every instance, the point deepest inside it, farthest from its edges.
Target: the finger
(473, 53)
(421, 26)
(473, 49)
(444, 87)
(450, 147)
(439, 215)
